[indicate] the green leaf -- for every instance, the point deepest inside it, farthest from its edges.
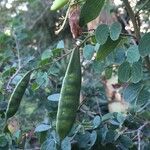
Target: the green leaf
(143, 97)
(66, 144)
(90, 10)
(133, 54)
(102, 33)
(131, 91)
(46, 54)
(42, 127)
(126, 141)
(3, 141)
(49, 144)
(144, 45)
(96, 121)
(136, 72)
(110, 136)
(54, 97)
(107, 48)
(115, 30)
(124, 72)
(88, 51)
(93, 138)
(108, 72)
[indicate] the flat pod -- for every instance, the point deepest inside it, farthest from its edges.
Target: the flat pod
(16, 96)
(58, 4)
(69, 97)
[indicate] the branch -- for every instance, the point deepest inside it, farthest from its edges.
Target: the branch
(133, 19)
(136, 28)
(139, 134)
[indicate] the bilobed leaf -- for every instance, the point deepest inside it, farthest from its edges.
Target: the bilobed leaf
(115, 30)
(88, 51)
(144, 45)
(90, 10)
(131, 91)
(136, 72)
(124, 72)
(107, 48)
(102, 33)
(133, 54)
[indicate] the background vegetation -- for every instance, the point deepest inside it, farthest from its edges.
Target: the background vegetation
(115, 57)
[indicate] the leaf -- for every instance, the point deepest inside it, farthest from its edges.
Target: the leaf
(143, 97)
(94, 7)
(66, 144)
(107, 116)
(93, 138)
(115, 30)
(42, 127)
(49, 144)
(88, 51)
(133, 54)
(54, 97)
(102, 33)
(108, 72)
(144, 45)
(107, 48)
(60, 45)
(110, 136)
(131, 91)
(126, 141)
(136, 72)
(124, 72)
(3, 141)
(46, 54)
(96, 121)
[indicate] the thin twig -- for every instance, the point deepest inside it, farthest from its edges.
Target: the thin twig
(143, 5)
(139, 134)
(65, 19)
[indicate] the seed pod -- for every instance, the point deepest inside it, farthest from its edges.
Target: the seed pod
(16, 96)
(69, 96)
(58, 4)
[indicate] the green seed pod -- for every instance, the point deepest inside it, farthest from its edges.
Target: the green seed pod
(16, 96)
(69, 96)
(58, 4)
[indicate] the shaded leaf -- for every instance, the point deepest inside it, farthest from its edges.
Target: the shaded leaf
(133, 54)
(88, 52)
(144, 45)
(131, 91)
(96, 121)
(94, 7)
(136, 72)
(46, 54)
(66, 144)
(143, 97)
(102, 33)
(124, 72)
(115, 30)
(107, 48)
